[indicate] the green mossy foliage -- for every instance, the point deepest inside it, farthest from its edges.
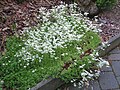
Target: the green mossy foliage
(105, 4)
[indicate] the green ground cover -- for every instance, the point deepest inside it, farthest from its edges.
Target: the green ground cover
(63, 45)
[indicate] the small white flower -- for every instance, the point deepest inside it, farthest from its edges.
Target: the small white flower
(72, 81)
(42, 68)
(74, 84)
(75, 63)
(83, 74)
(33, 71)
(97, 54)
(56, 57)
(2, 81)
(78, 48)
(108, 44)
(24, 66)
(62, 54)
(27, 64)
(3, 64)
(82, 66)
(86, 13)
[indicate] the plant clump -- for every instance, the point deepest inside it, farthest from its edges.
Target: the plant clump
(105, 4)
(63, 45)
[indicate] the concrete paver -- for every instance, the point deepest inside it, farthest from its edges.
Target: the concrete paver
(108, 81)
(94, 85)
(116, 67)
(115, 51)
(114, 57)
(118, 79)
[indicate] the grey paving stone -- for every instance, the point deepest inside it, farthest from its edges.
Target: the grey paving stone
(115, 51)
(115, 89)
(114, 57)
(107, 81)
(106, 69)
(116, 67)
(94, 85)
(111, 89)
(118, 79)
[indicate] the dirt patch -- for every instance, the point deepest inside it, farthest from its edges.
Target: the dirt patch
(15, 17)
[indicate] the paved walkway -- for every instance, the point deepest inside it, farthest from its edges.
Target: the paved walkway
(110, 76)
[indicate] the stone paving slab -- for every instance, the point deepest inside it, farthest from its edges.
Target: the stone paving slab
(114, 57)
(115, 51)
(108, 81)
(118, 79)
(94, 85)
(112, 89)
(116, 67)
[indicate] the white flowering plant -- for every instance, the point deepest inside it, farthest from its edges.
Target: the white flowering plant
(63, 45)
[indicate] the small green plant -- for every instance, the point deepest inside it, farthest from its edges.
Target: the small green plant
(62, 46)
(105, 4)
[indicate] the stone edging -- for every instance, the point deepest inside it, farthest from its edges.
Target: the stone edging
(114, 42)
(48, 84)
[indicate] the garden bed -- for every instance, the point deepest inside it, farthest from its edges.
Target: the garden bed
(63, 45)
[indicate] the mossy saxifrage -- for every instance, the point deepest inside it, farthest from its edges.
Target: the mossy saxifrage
(63, 36)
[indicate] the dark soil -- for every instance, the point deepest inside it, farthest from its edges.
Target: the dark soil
(111, 20)
(14, 17)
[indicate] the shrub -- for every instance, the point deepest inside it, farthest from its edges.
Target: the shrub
(62, 46)
(105, 4)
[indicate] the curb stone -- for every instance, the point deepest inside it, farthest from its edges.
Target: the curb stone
(51, 84)
(114, 42)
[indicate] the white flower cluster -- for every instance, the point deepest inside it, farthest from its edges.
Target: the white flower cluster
(59, 25)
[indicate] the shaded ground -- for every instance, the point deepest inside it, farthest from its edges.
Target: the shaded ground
(111, 20)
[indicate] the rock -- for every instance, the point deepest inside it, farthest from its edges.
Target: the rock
(88, 6)
(83, 2)
(92, 9)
